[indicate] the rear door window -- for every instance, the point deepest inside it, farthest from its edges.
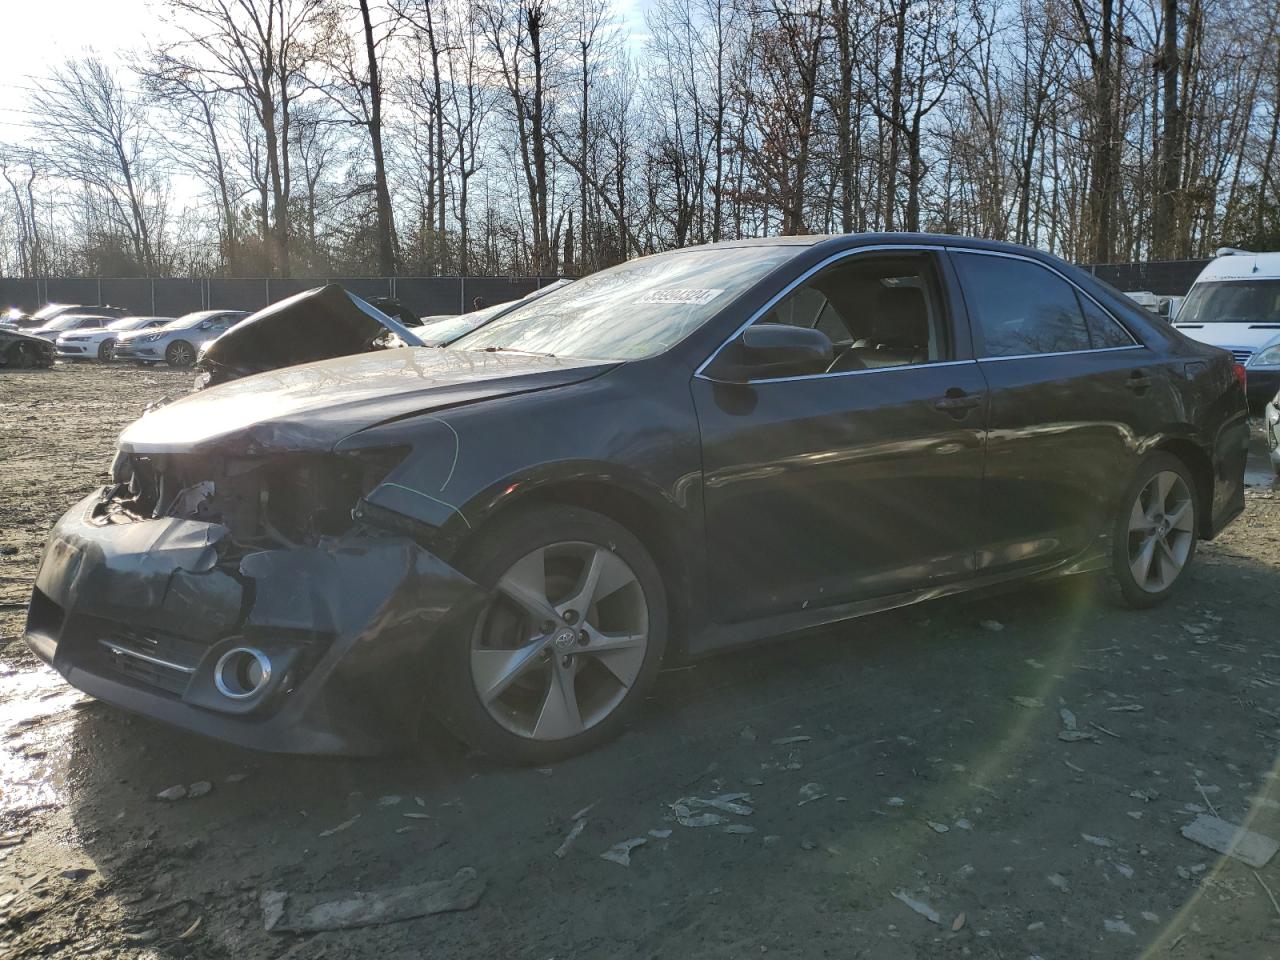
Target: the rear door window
(1020, 307)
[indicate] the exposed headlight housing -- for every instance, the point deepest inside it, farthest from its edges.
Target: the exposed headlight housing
(1269, 357)
(150, 337)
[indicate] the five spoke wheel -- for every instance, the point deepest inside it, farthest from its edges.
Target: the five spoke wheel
(563, 642)
(1161, 531)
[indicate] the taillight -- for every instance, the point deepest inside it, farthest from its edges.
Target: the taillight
(1242, 376)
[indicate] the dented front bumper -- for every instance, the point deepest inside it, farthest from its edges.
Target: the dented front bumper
(138, 614)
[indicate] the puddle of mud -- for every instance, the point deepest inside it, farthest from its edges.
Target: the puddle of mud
(35, 710)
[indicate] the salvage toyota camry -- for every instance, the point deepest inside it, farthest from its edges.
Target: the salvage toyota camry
(681, 454)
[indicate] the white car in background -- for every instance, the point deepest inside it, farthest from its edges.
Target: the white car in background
(177, 343)
(100, 344)
(1235, 304)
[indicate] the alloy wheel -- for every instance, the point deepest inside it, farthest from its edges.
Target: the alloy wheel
(562, 643)
(107, 350)
(1161, 531)
(180, 355)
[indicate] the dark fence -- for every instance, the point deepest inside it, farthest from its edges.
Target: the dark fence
(425, 296)
(1171, 278)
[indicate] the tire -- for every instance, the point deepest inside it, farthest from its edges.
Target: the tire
(524, 718)
(107, 350)
(1138, 545)
(180, 354)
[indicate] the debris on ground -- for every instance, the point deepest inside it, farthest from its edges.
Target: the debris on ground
(1247, 846)
(176, 792)
(1126, 708)
(576, 832)
(285, 912)
(735, 803)
(660, 834)
(937, 827)
(1146, 796)
(1071, 733)
(895, 802)
(995, 626)
(810, 792)
(787, 741)
(739, 828)
(621, 852)
(345, 824)
(1117, 926)
(1059, 881)
(199, 789)
(1097, 841)
(1031, 703)
(919, 906)
(957, 923)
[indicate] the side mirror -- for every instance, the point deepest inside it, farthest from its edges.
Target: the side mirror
(781, 350)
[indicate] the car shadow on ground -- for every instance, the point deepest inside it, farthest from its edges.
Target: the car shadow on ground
(929, 738)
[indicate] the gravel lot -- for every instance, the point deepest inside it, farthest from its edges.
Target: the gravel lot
(909, 793)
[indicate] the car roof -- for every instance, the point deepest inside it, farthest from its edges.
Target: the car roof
(1242, 265)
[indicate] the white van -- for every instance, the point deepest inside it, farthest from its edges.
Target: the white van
(1235, 304)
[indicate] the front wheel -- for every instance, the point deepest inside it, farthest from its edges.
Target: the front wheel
(106, 350)
(569, 643)
(1154, 541)
(180, 354)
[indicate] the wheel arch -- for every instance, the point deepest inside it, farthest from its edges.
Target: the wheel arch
(1197, 461)
(649, 516)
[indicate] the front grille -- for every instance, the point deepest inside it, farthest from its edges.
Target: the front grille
(1242, 356)
(152, 659)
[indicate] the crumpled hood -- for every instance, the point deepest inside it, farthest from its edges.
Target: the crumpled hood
(313, 406)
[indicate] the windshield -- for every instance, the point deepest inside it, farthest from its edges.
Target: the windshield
(131, 323)
(64, 322)
(633, 310)
(450, 328)
(1232, 301)
(50, 310)
(188, 320)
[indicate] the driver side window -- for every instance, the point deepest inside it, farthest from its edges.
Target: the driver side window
(878, 310)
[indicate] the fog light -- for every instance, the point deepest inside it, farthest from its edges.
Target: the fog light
(241, 673)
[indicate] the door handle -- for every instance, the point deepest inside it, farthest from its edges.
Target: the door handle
(1138, 381)
(957, 400)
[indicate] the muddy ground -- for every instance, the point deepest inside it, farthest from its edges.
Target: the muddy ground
(931, 743)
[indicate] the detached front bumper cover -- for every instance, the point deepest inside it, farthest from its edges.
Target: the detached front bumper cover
(139, 614)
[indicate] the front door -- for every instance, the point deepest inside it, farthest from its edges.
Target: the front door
(857, 481)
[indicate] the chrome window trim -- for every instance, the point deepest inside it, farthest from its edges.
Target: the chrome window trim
(847, 373)
(1062, 353)
(769, 304)
(1079, 292)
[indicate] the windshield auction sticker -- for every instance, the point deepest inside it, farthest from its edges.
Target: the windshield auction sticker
(697, 295)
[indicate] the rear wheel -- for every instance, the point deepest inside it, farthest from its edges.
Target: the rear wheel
(1154, 541)
(568, 645)
(180, 354)
(106, 350)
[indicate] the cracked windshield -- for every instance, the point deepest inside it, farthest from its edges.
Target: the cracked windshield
(639, 479)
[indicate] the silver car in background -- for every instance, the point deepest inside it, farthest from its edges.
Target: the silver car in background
(177, 343)
(100, 344)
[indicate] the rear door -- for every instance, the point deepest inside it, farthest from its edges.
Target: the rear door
(857, 481)
(1071, 395)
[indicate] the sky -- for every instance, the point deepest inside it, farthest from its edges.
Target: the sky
(41, 33)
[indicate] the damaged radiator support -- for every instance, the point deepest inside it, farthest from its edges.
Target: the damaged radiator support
(268, 501)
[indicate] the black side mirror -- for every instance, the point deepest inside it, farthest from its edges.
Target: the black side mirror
(781, 350)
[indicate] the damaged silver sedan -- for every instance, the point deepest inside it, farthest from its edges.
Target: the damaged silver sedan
(714, 445)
